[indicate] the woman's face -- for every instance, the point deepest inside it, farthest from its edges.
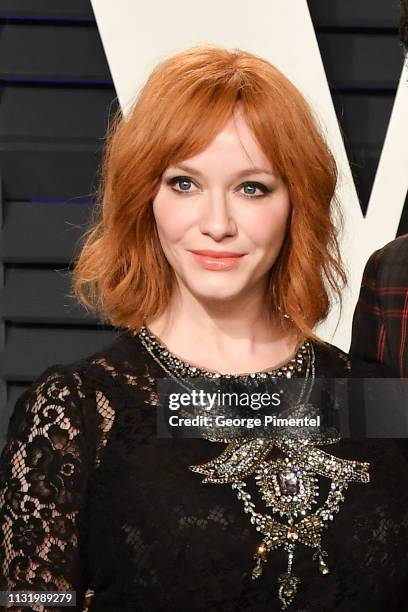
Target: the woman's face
(228, 201)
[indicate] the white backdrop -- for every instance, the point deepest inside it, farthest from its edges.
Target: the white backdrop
(136, 36)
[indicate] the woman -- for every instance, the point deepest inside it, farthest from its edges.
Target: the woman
(214, 253)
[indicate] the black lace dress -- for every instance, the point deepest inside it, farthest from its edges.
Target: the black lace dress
(92, 500)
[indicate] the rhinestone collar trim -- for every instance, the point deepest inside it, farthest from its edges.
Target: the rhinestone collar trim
(294, 366)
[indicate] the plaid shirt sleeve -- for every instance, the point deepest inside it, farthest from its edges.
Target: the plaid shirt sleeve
(369, 333)
(380, 323)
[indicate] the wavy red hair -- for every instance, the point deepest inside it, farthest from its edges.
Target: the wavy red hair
(122, 272)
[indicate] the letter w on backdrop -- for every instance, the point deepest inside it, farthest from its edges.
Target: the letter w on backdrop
(136, 36)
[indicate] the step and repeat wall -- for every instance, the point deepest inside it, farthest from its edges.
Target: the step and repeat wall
(61, 81)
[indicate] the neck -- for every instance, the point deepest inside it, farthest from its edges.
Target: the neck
(224, 336)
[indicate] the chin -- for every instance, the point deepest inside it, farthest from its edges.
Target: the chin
(210, 292)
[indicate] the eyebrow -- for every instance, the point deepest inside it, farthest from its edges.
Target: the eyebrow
(243, 172)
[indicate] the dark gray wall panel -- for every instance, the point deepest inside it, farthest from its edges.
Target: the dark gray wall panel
(355, 13)
(30, 350)
(363, 119)
(68, 114)
(55, 52)
(62, 9)
(51, 140)
(46, 298)
(49, 170)
(363, 163)
(361, 61)
(42, 232)
(403, 227)
(56, 101)
(13, 392)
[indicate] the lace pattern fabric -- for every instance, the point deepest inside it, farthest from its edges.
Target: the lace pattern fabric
(92, 501)
(45, 478)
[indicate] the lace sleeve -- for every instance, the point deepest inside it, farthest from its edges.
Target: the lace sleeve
(43, 479)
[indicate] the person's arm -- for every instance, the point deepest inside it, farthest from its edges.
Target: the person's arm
(43, 481)
(369, 333)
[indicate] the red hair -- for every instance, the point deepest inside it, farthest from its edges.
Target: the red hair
(122, 272)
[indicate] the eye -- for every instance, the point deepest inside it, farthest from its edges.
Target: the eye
(184, 183)
(253, 186)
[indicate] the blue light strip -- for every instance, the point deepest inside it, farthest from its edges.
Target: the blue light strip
(35, 80)
(63, 201)
(51, 19)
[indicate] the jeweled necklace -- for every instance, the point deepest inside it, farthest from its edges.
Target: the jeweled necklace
(287, 485)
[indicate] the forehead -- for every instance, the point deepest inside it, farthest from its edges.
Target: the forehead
(234, 145)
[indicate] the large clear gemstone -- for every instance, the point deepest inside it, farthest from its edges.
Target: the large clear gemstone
(288, 482)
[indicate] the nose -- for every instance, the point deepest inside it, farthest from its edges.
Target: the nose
(216, 218)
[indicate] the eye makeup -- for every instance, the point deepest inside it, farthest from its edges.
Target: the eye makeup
(173, 181)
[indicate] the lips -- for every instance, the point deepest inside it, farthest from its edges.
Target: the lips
(217, 260)
(213, 254)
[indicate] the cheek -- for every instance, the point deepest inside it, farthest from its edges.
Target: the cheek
(268, 225)
(172, 219)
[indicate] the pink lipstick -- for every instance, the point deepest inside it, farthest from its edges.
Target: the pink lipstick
(217, 260)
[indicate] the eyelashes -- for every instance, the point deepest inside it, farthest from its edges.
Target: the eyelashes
(253, 184)
(178, 179)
